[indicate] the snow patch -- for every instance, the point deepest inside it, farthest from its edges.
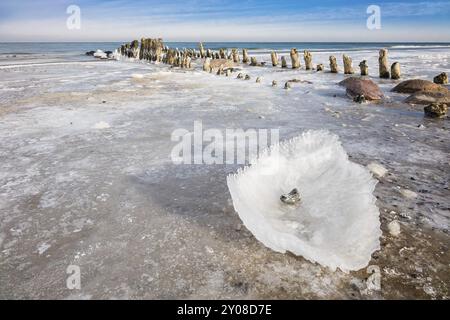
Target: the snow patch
(394, 228)
(43, 247)
(102, 125)
(377, 169)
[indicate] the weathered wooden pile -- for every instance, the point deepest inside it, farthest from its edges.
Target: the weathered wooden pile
(224, 62)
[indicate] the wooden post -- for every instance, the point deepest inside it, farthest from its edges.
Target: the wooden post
(295, 59)
(395, 71)
(348, 64)
(283, 62)
(245, 58)
(308, 59)
(274, 57)
(333, 65)
(364, 68)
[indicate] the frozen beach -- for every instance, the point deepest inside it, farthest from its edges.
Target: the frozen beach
(86, 178)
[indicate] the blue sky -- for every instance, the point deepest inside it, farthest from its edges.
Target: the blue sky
(225, 20)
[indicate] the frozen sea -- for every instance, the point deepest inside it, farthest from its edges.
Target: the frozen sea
(86, 177)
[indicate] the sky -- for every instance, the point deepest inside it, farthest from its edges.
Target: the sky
(225, 20)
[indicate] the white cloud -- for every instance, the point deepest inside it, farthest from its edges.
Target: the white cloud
(317, 24)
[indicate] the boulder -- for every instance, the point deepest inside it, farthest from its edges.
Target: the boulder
(416, 85)
(426, 97)
(441, 78)
(357, 87)
(436, 110)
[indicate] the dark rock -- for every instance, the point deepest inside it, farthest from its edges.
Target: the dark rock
(360, 98)
(441, 78)
(416, 85)
(426, 97)
(291, 198)
(436, 110)
(362, 87)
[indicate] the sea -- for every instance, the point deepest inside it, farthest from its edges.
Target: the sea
(76, 50)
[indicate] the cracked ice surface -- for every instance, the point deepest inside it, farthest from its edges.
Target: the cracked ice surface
(75, 191)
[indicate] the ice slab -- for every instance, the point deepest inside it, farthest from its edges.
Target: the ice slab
(336, 223)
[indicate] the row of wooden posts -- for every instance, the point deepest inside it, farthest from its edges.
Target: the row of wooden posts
(155, 50)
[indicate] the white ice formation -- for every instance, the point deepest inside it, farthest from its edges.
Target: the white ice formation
(100, 54)
(336, 223)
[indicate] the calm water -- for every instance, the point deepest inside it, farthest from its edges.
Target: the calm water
(79, 48)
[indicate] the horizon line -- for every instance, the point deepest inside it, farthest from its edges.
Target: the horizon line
(180, 41)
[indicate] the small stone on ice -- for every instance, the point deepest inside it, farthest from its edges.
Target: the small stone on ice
(408, 193)
(377, 169)
(291, 198)
(394, 228)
